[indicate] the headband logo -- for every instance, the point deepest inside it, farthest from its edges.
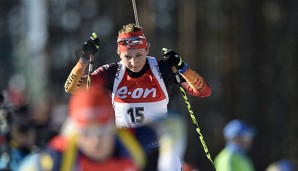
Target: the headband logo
(133, 40)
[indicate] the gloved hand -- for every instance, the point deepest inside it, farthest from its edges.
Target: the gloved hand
(172, 58)
(90, 47)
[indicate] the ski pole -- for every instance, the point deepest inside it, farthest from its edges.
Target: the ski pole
(192, 116)
(91, 60)
(135, 12)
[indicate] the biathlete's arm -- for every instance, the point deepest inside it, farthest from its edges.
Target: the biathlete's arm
(195, 84)
(102, 76)
(75, 78)
(192, 82)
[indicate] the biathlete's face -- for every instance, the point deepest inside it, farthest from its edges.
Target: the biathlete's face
(97, 143)
(134, 59)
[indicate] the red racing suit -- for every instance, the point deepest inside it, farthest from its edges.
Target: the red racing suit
(105, 76)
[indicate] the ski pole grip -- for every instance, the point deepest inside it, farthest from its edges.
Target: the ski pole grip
(93, 37)
(91, 58)
(175, 71)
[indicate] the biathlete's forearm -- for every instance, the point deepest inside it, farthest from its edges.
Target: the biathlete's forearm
(74, 80)
(195, 84)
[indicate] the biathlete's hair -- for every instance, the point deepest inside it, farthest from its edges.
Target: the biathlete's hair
(130, 28)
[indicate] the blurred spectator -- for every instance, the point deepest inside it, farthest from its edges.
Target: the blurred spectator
(88, 140)
(281, 165)
(239, 137)
(15, 94)
(17, 135)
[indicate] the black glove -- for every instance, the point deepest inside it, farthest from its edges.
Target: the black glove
(90, 47)
(172, 58)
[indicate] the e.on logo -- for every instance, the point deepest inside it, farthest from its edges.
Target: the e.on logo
(123, 92)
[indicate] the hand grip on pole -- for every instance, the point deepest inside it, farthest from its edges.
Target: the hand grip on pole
(175, 71)
(91, 60)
